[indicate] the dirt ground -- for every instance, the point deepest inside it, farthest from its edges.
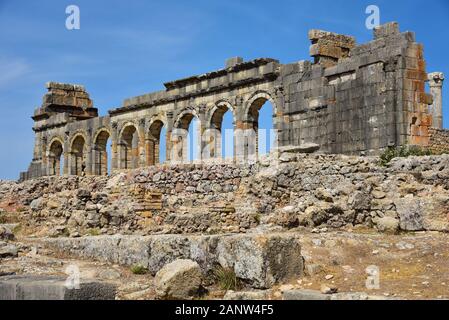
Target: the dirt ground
(411, 266)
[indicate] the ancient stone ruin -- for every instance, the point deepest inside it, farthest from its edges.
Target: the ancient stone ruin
(305, 221)
(351, 99)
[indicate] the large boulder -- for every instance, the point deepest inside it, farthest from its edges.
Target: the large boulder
(430, 213)
(410, 211)
(180, 279)
(262, 260)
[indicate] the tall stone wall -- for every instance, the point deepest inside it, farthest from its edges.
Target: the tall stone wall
(351, 99)
(361, 100)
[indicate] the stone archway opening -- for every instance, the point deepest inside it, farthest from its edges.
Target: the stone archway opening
(78, 156)
(156, 143)
(186, 138)
(101, 153)
(261, 115)
(222, 123)
(129, 148)
(55, 158)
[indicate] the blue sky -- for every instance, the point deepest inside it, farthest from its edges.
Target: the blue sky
(127, 48)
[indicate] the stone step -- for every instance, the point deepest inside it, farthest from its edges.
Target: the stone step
(31, 287)
(261, 260)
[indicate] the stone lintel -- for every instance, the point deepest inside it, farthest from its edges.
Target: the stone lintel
(218, 73)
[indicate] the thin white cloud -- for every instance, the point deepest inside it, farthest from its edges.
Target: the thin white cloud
(12, 70)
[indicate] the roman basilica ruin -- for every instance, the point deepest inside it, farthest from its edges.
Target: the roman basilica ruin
(351, 99)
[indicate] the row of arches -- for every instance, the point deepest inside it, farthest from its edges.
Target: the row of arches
(185, 141)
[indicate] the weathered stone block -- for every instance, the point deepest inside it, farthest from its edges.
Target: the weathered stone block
(53, 288)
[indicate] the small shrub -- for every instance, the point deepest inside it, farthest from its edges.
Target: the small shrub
(138, 269)
(402, 152)
(16, 230)
(65, 232)
(226, 278)
(3, 219)
(94, 232)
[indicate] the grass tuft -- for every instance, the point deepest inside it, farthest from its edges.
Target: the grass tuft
(226, 278)
(139, 269)
(402, 152)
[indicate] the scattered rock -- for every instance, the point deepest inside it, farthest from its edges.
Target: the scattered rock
(378, 194)
(6, 234)
(410, 214)
(328, 289)
(247, 295)
(286, 287)
(109, 274)
(404, 245)
(304, 294)
(313, 269)
(180, 279)
(8, 250)
(37, 204)
(387, 225)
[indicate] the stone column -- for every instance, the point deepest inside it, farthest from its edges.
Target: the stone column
(114, 147)
(201, 143)
(67, 158)
(168, 132)
(436, 80)
(44, 170)
(141, 161)
(89, 156)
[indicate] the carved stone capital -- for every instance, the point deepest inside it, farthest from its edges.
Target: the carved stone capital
(436, 79)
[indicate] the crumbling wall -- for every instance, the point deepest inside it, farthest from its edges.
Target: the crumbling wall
(439, 140)
(311, 191)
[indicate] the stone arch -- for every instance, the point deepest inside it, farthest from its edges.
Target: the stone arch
(255, 102)
(250, 126)
(78, 148)
(215, 122)
(100, 154)
(129, 146)
(55, 153)
(179, 135)
(154, 140)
